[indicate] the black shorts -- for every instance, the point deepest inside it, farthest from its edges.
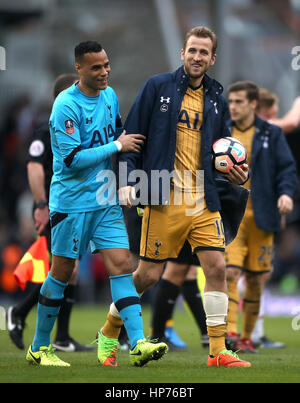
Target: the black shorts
(186, 257)
(47, 233)
(134, 226)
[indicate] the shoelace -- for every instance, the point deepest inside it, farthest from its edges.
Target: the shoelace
(49, 353)
(149, 340)
(18, 322)
(110, 346)
(146, 340)
(230, 352)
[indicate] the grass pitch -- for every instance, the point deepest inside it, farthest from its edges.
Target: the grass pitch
(268, 366)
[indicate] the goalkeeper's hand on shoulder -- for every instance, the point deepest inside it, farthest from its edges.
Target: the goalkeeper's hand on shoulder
(131, 142)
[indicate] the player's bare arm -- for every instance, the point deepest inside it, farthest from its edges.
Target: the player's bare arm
(36, 179)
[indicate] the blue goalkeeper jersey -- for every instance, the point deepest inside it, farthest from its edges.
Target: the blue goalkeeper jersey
(82, 132)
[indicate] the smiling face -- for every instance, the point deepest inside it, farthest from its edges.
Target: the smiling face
(197, 57)
(93, 70)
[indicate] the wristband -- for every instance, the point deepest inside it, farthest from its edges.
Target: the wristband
(41, 204)
(118, 144)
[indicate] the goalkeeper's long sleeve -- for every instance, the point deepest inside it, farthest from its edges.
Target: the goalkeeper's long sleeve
(81, 159)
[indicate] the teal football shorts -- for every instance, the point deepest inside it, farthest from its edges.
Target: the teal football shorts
(72, 233)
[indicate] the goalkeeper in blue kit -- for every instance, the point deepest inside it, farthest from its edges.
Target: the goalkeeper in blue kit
(84, 208)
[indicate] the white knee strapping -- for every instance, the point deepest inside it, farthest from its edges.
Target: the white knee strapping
(113, 311)
(216, 306)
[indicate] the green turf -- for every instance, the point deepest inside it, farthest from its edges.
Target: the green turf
(269, 365)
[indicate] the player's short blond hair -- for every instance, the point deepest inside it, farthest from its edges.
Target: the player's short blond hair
(202, 32)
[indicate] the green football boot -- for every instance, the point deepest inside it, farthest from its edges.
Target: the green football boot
(45, 357)
(107, 348)
(145, 351)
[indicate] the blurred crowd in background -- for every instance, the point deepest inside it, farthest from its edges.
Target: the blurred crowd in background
(256, 39)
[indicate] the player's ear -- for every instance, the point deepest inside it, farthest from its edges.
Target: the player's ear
(182, 54)
(213, 59)
(254, 104)
(77, 67)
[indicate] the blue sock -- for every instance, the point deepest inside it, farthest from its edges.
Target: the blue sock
(127, 302)
(50, 299)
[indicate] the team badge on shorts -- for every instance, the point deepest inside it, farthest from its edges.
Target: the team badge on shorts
(69, 125)
(158, 245)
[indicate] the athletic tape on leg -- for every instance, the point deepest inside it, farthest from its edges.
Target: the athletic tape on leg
(216, 306)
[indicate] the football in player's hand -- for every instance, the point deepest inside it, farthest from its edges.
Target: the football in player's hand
(228, 152)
